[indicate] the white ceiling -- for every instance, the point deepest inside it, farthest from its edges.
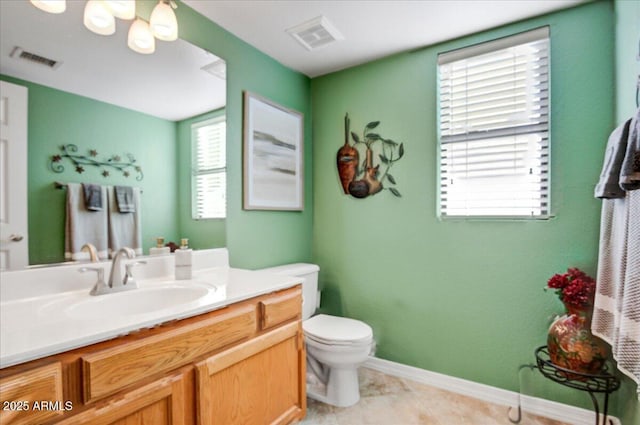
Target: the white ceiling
(371, 29)
(167, 84)
(104, 68)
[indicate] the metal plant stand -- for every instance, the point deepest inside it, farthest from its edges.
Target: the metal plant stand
(604, 382)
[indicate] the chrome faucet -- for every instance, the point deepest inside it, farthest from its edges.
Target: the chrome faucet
(117, 282)
(115, 278)
(93, 253)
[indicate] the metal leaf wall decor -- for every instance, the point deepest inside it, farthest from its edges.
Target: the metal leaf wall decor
(361, 180)
(114, 163)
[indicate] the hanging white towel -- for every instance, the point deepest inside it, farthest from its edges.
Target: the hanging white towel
(125, 229)
(616, 316)
(83, 226)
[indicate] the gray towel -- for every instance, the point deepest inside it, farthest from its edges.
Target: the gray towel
(125, 229)
(83, 226)
(608, 186)
(124, 198)
(92, 196)
(630, 170)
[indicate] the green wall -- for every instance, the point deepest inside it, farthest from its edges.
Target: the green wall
(461, 297)
(255, 238)
(627, 16)
(57, 118)
(201, 233)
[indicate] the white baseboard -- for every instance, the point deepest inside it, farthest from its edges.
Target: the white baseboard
(534, 405)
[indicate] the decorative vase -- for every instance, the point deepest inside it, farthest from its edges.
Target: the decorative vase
(347, 159)
(572, 345)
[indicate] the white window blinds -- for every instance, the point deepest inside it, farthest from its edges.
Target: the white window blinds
(494, 128)
(209, 177)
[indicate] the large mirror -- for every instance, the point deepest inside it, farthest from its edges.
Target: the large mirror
(93, 92)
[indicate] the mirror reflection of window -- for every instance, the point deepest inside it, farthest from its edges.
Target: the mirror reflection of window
(209, 172)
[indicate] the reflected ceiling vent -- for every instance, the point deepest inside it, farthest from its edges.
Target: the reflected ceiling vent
(316, 33)
(19, 53)
(217, 68)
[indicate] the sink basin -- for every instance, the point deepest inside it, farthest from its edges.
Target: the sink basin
(143, 300)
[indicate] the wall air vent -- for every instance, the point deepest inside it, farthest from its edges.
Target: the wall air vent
(316, 33)
(19, 53)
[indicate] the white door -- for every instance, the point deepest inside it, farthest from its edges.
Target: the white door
(14, 243)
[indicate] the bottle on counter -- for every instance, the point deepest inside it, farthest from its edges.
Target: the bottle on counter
(159, 249)
(183, 260)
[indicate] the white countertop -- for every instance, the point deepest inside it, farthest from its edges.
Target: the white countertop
(38, 326)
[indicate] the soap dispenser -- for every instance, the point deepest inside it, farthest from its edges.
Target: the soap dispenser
(183, 260)
(159, 249)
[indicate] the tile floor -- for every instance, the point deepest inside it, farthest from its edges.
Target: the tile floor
(387, 400)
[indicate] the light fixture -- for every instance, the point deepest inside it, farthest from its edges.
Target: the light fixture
(51, 6)
(123, 9)
(98, 18)
(140, 38)
(163, 22)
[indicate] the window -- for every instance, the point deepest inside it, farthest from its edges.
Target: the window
(494, 128)
(209, 177)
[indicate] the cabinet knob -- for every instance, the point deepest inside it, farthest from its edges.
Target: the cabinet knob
(16, 238)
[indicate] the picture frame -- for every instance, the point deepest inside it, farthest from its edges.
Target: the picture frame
(273, 155)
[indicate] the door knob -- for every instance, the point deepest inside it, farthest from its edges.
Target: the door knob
(16, 238)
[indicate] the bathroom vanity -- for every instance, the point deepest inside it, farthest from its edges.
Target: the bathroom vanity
(237, 357)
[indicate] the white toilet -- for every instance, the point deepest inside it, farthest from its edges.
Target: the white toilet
(336, 346)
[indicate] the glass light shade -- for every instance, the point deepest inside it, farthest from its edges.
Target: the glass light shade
(163, 22)
(98, 19)
(123, 9)
(51, 6)
(140, 38)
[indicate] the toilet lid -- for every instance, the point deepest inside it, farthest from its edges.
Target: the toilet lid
(336, 329)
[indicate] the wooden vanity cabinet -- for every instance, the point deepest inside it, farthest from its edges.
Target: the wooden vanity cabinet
(242, 364)
(260, 381)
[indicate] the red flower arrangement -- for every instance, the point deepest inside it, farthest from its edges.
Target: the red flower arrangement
(574, 288)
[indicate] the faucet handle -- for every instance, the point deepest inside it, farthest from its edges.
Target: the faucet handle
(98, 270)
(100, 287)
(131, 265)
(128, 278)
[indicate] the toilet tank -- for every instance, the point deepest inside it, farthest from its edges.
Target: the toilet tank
(309, 273)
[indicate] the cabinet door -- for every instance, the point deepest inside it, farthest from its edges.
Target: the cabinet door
(23, 393)
(167, 401)
(261, 381)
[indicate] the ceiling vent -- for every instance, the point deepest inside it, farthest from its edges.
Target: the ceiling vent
(19, 53)
(217, 68)
(316, 33)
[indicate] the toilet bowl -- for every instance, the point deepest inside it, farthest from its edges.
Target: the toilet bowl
(339, 346)
(336, 346)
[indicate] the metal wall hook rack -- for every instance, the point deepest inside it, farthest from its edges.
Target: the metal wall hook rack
(60, 185)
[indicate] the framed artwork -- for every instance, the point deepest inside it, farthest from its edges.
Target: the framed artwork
(273, 156)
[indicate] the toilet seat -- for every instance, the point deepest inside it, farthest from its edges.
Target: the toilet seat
(337, 331)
